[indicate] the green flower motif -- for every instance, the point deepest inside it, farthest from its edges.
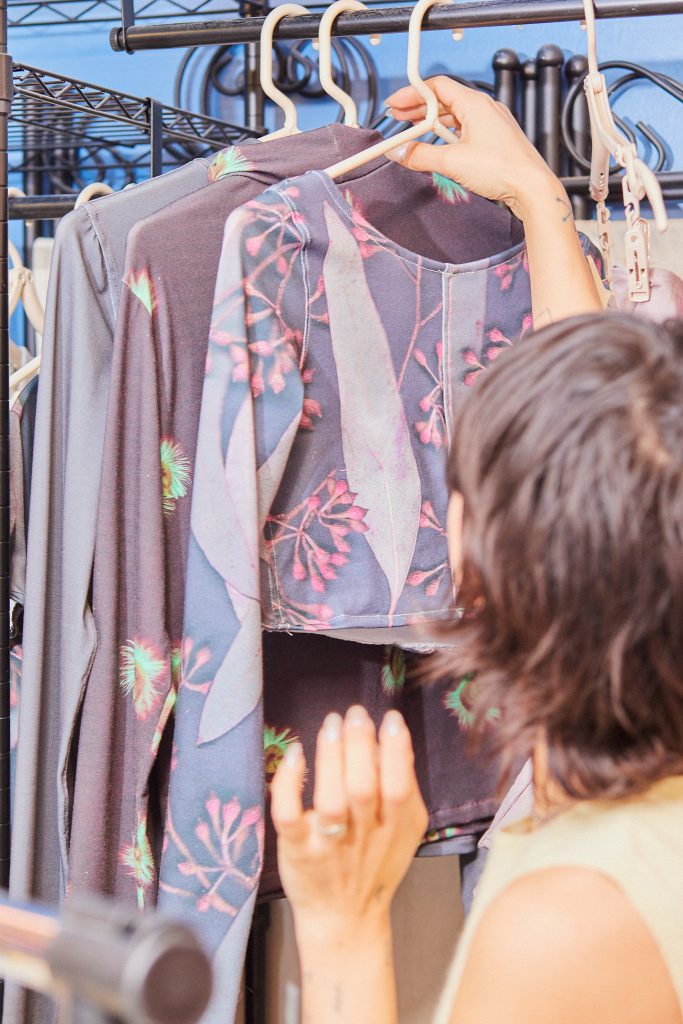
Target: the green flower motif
(141, 667)
(393, 673)
(175, 473)
(449, 190)
(228, 161)
(138, 859)
(275, 747)
(454, 701)
(142, 287)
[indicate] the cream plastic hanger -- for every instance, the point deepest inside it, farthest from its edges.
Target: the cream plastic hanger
(638, 182)
(92, 191)
(430, 123)
(266, 70)
(325, 58)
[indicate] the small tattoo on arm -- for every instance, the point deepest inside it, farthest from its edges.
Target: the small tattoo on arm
(543, 319)
(566, 206)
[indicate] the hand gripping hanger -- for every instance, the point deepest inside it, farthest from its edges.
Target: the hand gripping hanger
(285, 104)
(430, 122)
(639, 181)
(325, 58)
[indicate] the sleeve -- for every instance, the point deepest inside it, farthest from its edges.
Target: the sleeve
(59, 636)
(251, 406)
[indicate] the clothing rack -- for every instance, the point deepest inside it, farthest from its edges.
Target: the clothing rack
(61, 128)
(464, 14)
(154, 123)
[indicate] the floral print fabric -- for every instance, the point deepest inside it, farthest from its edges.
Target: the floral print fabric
(335, 358)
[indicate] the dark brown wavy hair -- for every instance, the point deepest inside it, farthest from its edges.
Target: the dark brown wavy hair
(569, 456)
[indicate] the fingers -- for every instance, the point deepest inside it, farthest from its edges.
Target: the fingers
(423, 156)
(454, 97)
(286, 804)
(329, 796)
(398, 782)
(361, 767)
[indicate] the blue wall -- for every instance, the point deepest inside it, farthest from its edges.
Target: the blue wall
(84, 52)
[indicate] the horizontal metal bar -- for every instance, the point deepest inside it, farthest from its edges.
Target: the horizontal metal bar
(671, 182)
(463, 14)
(41, 207)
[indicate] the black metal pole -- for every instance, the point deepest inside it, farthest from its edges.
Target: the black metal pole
(577, 68)
(506, 66)
(254, 100)
(42, 207)
(5, 103)
(464, 14)
(549, 60)
(530, 99)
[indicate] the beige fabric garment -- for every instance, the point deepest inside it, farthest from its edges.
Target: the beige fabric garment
(637, 843)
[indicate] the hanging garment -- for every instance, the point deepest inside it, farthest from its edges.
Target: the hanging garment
(299, 689)
(87, 268)
(336, 356)
(22, 419)
(637, 843)
(144, 515)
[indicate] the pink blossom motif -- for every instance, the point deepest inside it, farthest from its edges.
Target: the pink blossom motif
(273, 349)
(192, 660)
(311, 407)
(496, 343)
(432, 577)
(331, 513)
(432, 430)
(369, 241)
(311, 617)
(228, 844)
(507, 272)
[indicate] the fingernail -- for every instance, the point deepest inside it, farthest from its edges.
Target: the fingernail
(293, 752)
(332, 727)
(356, 716)
(393, 723)
(399, 153)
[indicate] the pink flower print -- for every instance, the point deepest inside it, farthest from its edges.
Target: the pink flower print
(506, 272)
(496, 342)
(332, 512)
(193, 660)
(433, 429)
(364, 233)
(430, 578)
(230, 850)
(309, 617)
(311, 407)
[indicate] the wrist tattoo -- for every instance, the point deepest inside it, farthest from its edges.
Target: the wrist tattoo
(566, 206)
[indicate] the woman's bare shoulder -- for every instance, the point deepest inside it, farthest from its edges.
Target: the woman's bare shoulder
(564, 944)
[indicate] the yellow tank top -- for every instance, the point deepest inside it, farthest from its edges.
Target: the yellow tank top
(637, 842)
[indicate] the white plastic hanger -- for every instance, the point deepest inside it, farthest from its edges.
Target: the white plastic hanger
(93, 191)
(638, 182)
(325, 58)
(430, 123)
(266, 70)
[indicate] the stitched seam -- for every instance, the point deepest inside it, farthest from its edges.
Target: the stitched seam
(274, 586)
(449, 269)
(109, 261)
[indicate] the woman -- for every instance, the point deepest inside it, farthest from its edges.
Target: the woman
(566, 540)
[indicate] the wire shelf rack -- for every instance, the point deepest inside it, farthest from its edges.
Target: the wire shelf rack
(59, 124)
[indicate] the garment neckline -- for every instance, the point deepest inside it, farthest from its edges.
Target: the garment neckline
(344, 207)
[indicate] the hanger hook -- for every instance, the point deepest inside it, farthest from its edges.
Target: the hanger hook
(591, 37)
(325, 58)
(92, 191)
(285, 104)
(414, 76)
